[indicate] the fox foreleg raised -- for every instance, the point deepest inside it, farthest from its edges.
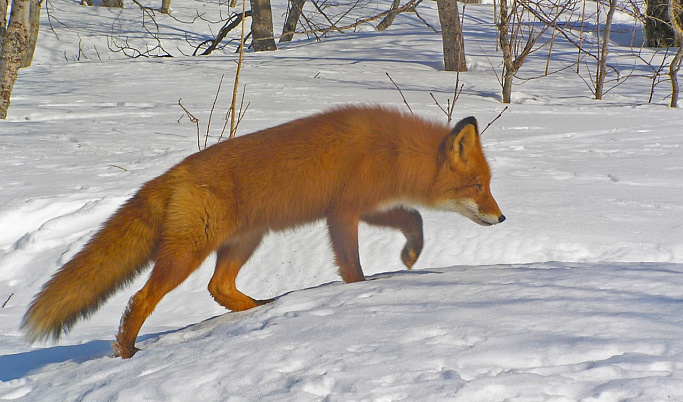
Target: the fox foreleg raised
(409, 222)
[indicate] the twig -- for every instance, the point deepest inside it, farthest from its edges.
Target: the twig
(239, 116)
(230, 24)
(192, 119)
(332, 24)
(424, 21)
(208, 125)
(438, 104)
(7, 301)
(401, 92)
(493, 121)
(233, 128)
(409, 6)
(119, 167)
(457, 89)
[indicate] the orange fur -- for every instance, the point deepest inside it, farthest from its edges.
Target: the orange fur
(347, 165)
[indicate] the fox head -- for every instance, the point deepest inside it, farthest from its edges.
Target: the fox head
(463, 178)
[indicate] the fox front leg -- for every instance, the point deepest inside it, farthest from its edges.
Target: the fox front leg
(343, 230)
(409, 222)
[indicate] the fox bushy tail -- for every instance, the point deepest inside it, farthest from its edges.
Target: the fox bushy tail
(111, 259)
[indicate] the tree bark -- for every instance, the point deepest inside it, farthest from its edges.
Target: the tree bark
(4, 6)
(602, 63)
(262, 26)
(165, 6)
(230, 24)
(674, 67)
(14, 44)
(389, 19)
(508, 75)
(451, 33)
(676, 18)
(112, 3)
(658, 31)
(504, 40)
(34, 21)
(293, 15)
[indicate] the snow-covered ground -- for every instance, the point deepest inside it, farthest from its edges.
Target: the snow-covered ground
(577, 296)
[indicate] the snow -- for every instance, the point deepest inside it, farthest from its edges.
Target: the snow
(577, 296)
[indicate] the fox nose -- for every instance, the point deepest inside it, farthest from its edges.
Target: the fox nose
(501, 219)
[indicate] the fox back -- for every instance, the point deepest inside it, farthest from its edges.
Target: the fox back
(354, 158)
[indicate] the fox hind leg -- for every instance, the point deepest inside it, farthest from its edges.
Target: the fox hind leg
(229, 259)
(409, 222)
(195, 225)
(169, 271)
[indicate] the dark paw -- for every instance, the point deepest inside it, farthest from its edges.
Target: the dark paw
(409, 256)
(123, 352)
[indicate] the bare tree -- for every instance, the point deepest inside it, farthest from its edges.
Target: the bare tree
(4, 5)
(262, 26)
(389, 19)
(112, 3)
(34, 21)
(165, 6)
(518, 33)
(658, 30)
(334, 16)
(231, 23)
(675, 16)
(293, 14)
(14, 44)
(602, 58)
(451, 34)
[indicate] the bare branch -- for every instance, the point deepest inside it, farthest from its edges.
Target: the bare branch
(494, 120)
(193, 120)
(7, 301)
(213, 106)
(232, 23)
(401, 92)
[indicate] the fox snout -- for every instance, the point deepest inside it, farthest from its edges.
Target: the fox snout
(476, 212)
(485, 219)
(487, 212)
(489, 220)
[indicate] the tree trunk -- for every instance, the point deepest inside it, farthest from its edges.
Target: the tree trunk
(673, 75)
(112, 3)
(658, 29)
(232, 23)
(4, 5)
(34, 21)
(165, 6)
(451, 33)
(676, 17)
(602, 63)
(293, 15)
(507, 85)
(14, 44)
(504, 41)
(262, 26)
(389, 19)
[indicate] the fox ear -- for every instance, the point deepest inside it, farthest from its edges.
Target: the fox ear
(464, 135)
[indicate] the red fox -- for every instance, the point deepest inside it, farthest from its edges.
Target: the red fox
(350, 164)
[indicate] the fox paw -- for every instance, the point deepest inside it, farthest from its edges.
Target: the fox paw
(409, 256)
(123, 352)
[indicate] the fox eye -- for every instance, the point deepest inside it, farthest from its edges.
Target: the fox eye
(478, 187)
